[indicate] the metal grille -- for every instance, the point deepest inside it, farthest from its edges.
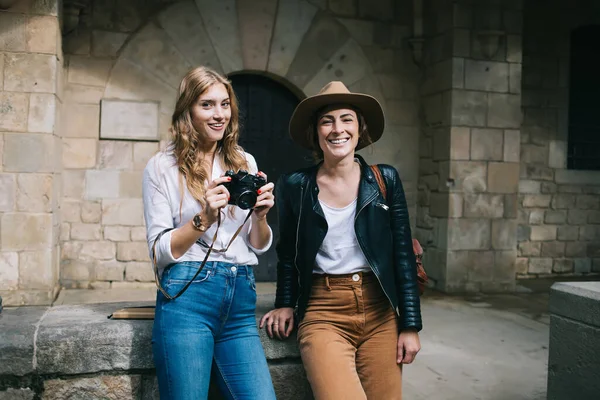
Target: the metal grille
(584, 99)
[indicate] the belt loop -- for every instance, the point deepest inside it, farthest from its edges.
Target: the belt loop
(327, 282)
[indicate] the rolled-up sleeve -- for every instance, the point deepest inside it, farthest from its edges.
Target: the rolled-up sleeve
(158, 216)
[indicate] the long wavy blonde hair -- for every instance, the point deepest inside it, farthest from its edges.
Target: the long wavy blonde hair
(186, 140)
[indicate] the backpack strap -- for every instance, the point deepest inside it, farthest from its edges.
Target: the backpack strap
(380, 180)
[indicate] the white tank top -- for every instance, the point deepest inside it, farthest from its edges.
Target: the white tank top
(340, 252)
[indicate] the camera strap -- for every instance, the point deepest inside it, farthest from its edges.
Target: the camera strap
(210, 250)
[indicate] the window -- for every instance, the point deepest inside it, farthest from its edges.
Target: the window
(584, 99)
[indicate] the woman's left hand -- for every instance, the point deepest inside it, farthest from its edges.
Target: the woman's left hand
(265, 200)
(408, 346)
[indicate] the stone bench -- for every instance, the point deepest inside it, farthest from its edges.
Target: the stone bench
(574, 353)
(54, 352)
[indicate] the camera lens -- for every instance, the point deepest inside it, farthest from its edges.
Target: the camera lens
(246, 200)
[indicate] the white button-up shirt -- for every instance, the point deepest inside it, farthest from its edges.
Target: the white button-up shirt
(162, 201)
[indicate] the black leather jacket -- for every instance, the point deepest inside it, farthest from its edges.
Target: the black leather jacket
(382, 229)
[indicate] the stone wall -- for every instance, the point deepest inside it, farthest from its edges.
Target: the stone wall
(469, 164)
(30, 101)
(559, 209)
(128, 52)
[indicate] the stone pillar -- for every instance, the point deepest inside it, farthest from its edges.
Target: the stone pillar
(470, 144)
(30, 75)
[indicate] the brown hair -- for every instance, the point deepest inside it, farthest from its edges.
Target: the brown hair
(313, 136)
(186, 140)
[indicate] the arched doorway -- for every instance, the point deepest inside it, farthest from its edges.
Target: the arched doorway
(266, 107)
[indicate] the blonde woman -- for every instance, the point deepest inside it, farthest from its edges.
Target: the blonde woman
(211, 326)
(347, 273)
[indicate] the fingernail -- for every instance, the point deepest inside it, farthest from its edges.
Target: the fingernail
(228, 178)
(259, 191)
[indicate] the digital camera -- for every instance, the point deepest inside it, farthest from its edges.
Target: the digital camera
(243, 188)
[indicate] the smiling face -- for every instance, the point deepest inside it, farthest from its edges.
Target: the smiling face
(211, 113)
(337, 132)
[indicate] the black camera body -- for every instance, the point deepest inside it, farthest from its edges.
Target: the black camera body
(243, 188)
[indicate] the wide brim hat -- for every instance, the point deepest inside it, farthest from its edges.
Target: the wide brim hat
(336, 93)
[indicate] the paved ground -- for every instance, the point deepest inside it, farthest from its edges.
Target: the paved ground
(492, 347)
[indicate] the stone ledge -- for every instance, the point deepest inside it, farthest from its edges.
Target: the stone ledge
(577, 177)
(74, 340)
(579, 301)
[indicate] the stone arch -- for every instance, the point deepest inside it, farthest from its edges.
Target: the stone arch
(293, 41)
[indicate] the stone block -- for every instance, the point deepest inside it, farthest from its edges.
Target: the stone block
(26, 232)
(593, 249)
(514, 49)
(594, 217)
(125, 212)
(81, 231)
(504, 234)
(73, 183)
(536, 217)
(117, 233)
(562, 265)
(569, 188)
(138, 234)
(91, 212)
(504, 110)
(540, 265)
(79, 153)
(110, 270)
(576, 249)
(99, 250)
(515, 71)
(88, 71)
(9, 270)
(486, 76)
(568, 233)
(467, 176)
(107, 44)
(512, 145)
(533, 154)
(486, 144)
(65, 232)
(557, 157)
(34, 193)
(129, 120)
(459, 143)
(522, 265)
(548, 187)
(132, 251)
(42, 111)
(115, 155)
(17, 394)
(82, 94)
(537, 172)
(527, 249)
(126, 387)
(70, 211)
(469, 108)
(25, 72)
(543, 233)
(588, 202)
(582, 265)
(537, 200)
(511, 206)
(8, 192)
(142, 152)
(528, 186)
(589, 232)
(13, 111)
(482, 205)
(35, 270)
(561, 201)
(553, 249)
(503, 177)
(256, 21)
(77, 270)
(101, 184)
(556, 217)
(577, 177)
(139, 272)
(469, 234)
(14, 34)
(70, 250)
(82, 121)
(42, 34)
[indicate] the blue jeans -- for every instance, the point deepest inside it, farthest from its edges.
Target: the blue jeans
(211, 326)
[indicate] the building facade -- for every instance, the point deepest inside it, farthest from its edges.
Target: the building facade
(479, 122)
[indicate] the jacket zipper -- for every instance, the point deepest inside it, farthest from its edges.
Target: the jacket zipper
(296, 255)
(369, 261)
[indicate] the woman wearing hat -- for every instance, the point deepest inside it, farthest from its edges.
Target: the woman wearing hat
(346, 273)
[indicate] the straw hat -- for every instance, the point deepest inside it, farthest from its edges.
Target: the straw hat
(336, 93)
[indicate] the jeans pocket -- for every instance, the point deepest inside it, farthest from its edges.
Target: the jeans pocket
(182, 273)
(251, 279)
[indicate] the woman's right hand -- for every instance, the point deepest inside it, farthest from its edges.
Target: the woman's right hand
(217, 197)
(279, 322)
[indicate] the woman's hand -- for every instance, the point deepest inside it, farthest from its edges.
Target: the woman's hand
(408, 346)
(265, 200)
(279, 321)
(216, 197)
